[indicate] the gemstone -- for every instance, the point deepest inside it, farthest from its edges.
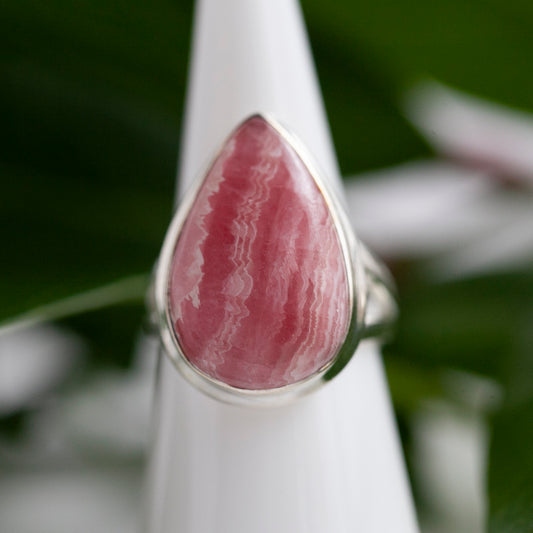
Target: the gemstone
(258, 290)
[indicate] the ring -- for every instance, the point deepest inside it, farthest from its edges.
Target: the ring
(262, 291)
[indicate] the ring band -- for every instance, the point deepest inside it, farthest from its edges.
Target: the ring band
(262, 291)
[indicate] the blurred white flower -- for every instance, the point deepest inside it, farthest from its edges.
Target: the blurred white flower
(481, 134)
(33, 362)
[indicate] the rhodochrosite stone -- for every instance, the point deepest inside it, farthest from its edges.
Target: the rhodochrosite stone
(258, 291)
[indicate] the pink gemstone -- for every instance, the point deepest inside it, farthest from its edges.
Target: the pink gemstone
(258, 290)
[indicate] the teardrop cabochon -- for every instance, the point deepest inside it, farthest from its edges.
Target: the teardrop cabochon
(255, 282)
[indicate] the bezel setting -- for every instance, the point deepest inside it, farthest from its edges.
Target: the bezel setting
(363, 273)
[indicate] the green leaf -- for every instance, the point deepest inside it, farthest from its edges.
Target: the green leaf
(510, 459)
(470, 324)
(129, 290)
(110, 333)
(90, 103)
(63, 237)
(411, 384)
(511, 470)
(481, 46)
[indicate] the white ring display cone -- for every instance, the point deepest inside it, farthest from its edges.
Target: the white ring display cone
(331, 462)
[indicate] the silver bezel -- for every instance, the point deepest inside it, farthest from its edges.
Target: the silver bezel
(357, 285)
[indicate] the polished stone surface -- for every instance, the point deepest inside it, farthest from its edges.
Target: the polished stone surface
(258, 292)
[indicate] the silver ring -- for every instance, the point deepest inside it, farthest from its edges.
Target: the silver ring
(262, 291)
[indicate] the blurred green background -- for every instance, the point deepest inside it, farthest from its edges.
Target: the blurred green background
(91, 100)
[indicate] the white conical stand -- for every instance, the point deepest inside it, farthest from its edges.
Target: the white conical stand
(330, 463)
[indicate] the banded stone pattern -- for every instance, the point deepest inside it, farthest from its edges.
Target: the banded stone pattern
(258, 292)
